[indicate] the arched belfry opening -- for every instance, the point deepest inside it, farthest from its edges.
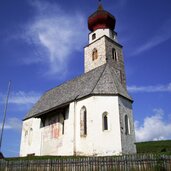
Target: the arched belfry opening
(114, 54)
(94, 54)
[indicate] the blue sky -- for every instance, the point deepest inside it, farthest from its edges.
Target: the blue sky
(41, 46)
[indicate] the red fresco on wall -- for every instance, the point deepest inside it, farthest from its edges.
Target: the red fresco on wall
(55, 130)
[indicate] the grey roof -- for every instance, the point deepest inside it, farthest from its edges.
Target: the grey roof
(99, 81)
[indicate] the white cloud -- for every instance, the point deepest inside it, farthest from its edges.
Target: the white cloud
(21, 98)
(153, 128)
(56, 34)
(12, 123)
(150, 89)
(162, 35)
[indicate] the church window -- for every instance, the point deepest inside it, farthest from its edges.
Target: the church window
(127, 125)
(105, 121)
(114, 55)
(93, 36)
(83, 121)
(94, 54)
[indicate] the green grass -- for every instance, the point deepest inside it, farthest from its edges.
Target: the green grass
(163, 146)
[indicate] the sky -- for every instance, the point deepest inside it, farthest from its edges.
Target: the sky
(41, 46)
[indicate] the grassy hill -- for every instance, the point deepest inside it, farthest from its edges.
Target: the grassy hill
(163, 146)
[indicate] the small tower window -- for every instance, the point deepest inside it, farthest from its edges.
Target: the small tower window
(83, 122)
(93, 36)
(114, 55)
(94, 54)
(127, 125)
(105, 121)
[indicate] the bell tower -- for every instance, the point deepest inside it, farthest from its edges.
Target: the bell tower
(103, 45)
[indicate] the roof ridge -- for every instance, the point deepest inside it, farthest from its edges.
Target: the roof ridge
(99, 78)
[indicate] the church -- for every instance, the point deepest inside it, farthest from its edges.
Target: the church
(90, 115)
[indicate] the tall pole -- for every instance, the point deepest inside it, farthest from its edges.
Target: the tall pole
(5, 112)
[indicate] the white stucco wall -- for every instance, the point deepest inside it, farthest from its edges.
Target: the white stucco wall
(53, 142)
(97, 141)
(31, 137)
(48, 140)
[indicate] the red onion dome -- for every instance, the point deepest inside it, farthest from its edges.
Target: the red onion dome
(101, 19)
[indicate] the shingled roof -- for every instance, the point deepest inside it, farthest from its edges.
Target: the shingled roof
(99, 81)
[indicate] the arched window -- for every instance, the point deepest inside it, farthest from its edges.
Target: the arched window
(127, 125)
(114, 55)
(93, 36)
(105, 121)
(83, 121)
(94, 54)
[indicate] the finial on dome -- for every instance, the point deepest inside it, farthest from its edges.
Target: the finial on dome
(100, 7)
(101, 19)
